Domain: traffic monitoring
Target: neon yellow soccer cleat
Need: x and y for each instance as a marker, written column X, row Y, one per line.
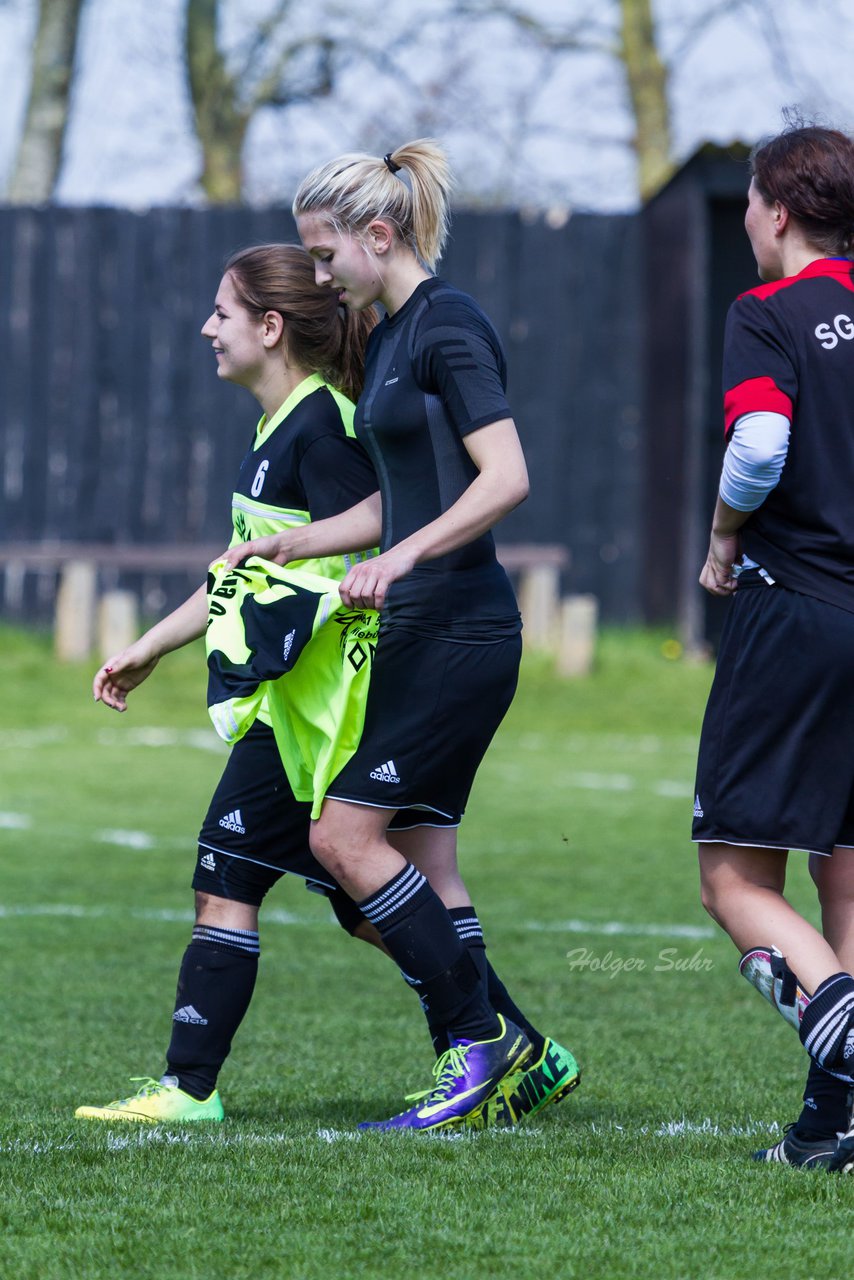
column 157, row 1102
column 523, row 1094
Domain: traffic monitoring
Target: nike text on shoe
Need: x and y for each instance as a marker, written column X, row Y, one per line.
column 466, row 1075
column 806, row 1153
column 157, row 1102
column 521, row 1095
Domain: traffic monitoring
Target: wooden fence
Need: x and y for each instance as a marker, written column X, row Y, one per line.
column 115, row 430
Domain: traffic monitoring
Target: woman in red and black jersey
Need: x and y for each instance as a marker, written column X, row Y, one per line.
column 776, row 763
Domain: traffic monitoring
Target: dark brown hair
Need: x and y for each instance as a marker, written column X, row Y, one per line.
column 322, row 335
column 810, row 170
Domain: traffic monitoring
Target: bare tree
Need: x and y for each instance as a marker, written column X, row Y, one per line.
column 270, row 69
column 647, row 79
column 40, row 151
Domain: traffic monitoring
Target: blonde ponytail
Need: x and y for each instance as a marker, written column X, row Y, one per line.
column 410, row 188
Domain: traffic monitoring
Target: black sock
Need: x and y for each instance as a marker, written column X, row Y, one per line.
column 215, row 986
column 415, row 926
column 827, row 1027
column 827, row 1105
column 469, row 928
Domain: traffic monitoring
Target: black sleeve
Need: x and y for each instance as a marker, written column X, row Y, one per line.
column 759, row 376
column 457, row 355
column 335, row 473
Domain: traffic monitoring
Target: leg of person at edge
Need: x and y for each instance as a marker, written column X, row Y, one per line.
column 776, row 761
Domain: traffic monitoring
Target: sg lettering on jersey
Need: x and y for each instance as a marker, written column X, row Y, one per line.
column 260, row 476
column 829, row 335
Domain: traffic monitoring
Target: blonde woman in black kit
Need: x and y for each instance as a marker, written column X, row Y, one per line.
column 435, row 421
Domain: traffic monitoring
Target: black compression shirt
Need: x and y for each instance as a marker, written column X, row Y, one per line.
column 435, row 371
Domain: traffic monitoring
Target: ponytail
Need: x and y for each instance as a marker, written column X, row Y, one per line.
column 410, row 187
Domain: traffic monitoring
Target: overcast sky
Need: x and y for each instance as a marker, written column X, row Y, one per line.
column 131, row 142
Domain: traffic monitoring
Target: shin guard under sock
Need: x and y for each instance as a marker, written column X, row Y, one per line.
column 215, row 986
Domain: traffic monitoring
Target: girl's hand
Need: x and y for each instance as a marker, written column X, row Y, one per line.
column 273, row 547
column 366, row 585
column 126, row 671
column 717, row 575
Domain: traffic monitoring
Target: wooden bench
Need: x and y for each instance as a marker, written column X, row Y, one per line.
column 551, row 625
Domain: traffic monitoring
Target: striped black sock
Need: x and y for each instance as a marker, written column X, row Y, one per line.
column 470, row 931
column 827, row 1027
column 215, row 986
column 415, row 926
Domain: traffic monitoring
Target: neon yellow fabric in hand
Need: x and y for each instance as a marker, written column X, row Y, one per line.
column 283, row 634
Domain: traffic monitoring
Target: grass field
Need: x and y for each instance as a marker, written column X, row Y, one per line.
column 576, row 850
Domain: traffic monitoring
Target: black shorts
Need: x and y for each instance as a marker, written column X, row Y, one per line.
column 776, row 761
column 255, row 831
column 433, row 708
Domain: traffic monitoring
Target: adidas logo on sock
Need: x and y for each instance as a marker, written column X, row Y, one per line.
column 698, row 808
column 848, row 1051
column 208, row 861
column 385, row 772
column 189, row 1014
column 233, row 822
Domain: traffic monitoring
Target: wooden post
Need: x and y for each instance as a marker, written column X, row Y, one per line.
column 118, row 622
column 579, row 617
column 539, row 592
column 75, row 611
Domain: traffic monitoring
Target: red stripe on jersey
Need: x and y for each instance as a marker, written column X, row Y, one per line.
column 838, row 268
column 755, row 395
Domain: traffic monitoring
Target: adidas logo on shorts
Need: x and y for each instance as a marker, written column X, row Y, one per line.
column 233, row 822
column 208, row 861
column 385, row 772
column 698, row 808
column 288, row 645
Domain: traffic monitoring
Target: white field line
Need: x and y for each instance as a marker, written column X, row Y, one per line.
column 136, row 1138
column 275, row 915
column 152, row 736
column 163, row 915
column 15, row 821
column 610, row 928
column 126, row 839
column 143, row 736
